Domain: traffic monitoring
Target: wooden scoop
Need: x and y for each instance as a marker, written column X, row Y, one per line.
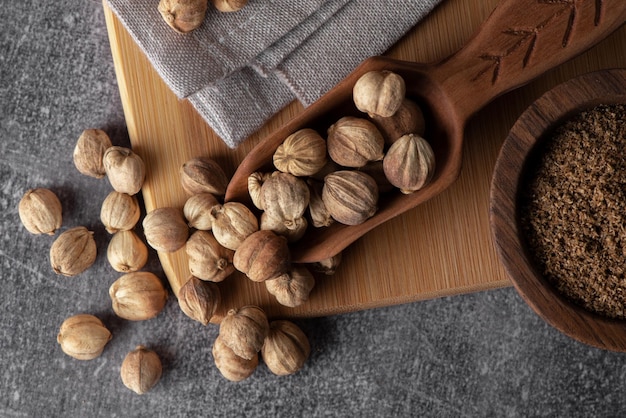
column 519, row 41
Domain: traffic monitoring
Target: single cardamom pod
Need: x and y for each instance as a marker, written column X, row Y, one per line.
column 232, row 223
column 263, row 255
column 284, row 196
column 89, row 152
column 138, row 296
column 230, row 365
column 127, row 252
column 208, row 260
column 40, row 211
column 351, row 197
column 165, row 229
column 302, row 153
column 292, row 288
column 141, row 370
column 73, row 252
column 119, row 212
column 197, row 210
column 379, row 93
column 199, row 299
column 286, row 348
column 83, row 336
column 125, row 170
column 243, row 330
column 203, row 175
column 353, row 142
column 183, row 15
column 410, row 163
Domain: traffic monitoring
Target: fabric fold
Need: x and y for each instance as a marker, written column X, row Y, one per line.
column 239, row 69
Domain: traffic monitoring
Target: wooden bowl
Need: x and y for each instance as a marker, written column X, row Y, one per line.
column 534, row 126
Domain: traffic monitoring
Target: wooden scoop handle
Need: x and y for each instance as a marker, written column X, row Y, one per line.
column 519, row 41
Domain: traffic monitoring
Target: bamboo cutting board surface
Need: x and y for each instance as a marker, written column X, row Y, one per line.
column 441, row 248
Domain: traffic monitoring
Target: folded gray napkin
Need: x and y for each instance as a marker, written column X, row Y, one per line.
column 239, row 69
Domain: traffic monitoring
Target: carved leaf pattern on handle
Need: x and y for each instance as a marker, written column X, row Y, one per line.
column 528, row 36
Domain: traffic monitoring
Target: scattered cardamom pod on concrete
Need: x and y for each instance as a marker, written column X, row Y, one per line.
column 243, row 330
column 89, row 152
column 286, row 348
column 125, row 169
column 141, row 370
column 230, row 365
column 83, row 336
column 127, row 252
column 40, row 211
column 119, row 212
column 138, row 296
column 73, row 252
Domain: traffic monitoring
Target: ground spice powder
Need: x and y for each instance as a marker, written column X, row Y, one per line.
column 573, row 210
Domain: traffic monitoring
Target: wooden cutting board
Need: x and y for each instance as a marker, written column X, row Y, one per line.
column 441, row 248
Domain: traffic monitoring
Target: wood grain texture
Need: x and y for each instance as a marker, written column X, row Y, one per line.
column 440, row 248
column 544, row 115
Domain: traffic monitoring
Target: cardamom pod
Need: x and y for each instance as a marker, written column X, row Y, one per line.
column 243, row 330
column 89, row 152
column 286, row 348
column 127, row 252
column 165, row 229
column 207, row 259
column 83, row 336
column 73, row 252
column 203, row 175
column 262, row 256
column 40, row 211
column 379, row 92
column 230, row 365
column 141, row 370
column 284, row 196
column 197, row 210
column 125, row 169
column 138, row 296
column 183, row 15
column 199, row 299
column 353, row 142
column 351, row 197
column 302, row 153
column 119, row 212
column 232, row 223
column 410, row 163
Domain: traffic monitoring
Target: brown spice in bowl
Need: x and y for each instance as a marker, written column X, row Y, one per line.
column 573, row 210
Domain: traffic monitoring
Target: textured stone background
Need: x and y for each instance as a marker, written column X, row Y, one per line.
column 484, row 354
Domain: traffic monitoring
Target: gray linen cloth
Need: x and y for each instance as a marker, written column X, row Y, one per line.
column 239, row 69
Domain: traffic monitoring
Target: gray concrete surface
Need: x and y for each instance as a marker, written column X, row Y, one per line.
column 479, row 355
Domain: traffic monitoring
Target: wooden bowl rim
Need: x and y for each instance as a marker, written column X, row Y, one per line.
column 551, row 109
